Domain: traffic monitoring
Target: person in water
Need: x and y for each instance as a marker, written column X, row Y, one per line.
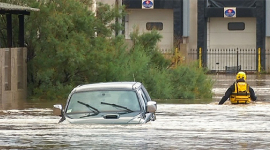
column 239, row 92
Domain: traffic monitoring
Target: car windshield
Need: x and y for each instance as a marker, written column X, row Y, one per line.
column 95, row 101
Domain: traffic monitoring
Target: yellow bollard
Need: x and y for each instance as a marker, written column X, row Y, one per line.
column 175, row 56
column 259, row 60
column 200, row 57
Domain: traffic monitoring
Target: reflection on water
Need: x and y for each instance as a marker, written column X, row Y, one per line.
column 180, row 124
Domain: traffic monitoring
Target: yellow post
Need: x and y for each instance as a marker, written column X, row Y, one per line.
column 175, row 56
column 259, row 60
column 200, row 57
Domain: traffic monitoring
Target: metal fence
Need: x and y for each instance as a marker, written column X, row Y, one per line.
column 230, row 60
column 267, row 61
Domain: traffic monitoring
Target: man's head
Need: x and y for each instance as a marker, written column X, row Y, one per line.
column 241, row 75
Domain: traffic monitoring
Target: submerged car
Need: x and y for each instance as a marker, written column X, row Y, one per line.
column 108, row 103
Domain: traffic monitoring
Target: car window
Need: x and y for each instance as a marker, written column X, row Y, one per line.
column 94, row 98
column 147, row 96
column 143, row 98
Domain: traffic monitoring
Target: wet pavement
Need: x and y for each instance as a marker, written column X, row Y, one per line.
column 194, row 125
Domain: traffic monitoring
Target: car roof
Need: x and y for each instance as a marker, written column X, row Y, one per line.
column 108, row 86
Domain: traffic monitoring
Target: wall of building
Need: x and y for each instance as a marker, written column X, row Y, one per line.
column 110, row 2
column 217, row 35
column 13, row 79
column 139, row 19
column 192, row 39
column 267, row 38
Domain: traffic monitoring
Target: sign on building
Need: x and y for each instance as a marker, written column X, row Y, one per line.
column 229, row 12
column 147, row 4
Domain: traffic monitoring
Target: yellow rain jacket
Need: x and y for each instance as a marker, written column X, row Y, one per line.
column 241, row 93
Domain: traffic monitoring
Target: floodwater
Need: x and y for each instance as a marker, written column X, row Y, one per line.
column 200, row 125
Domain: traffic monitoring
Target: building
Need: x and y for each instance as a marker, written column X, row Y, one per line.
column 13, row 77
column 221, row 33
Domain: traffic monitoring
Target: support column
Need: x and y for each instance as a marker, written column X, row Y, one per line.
column 202, row 31
column 260, row 31
column 9, row 30
column 21, row 30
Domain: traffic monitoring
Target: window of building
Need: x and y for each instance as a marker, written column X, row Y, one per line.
column 154, row 25
column 236, row 26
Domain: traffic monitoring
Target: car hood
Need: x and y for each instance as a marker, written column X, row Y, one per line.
column 105, row 118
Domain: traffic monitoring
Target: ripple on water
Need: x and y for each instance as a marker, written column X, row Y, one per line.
column 184, row 126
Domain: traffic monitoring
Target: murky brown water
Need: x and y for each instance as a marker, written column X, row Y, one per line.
column 204, row 125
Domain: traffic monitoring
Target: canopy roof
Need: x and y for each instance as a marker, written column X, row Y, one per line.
column 15, row 9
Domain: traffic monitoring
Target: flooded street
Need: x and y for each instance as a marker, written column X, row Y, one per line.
column 202, row 125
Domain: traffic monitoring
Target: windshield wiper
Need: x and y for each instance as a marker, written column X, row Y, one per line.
column 93, row 109
column 119, row 106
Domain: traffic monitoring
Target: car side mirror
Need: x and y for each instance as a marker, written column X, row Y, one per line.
column 151, row 106
column 57, row 111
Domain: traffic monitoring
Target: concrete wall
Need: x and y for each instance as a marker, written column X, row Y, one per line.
column 267, row 9
column 110, row 2
column 190, row 42
column 192, row 39
column 139, row 19
column 13, row 77
column 267, row 38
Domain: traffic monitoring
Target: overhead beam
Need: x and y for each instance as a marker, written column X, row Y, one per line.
column 17, row 12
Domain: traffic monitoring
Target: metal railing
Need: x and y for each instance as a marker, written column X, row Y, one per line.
column 230, row 60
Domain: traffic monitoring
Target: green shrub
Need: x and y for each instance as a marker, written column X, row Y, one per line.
column 191, row 82
column 69, row 45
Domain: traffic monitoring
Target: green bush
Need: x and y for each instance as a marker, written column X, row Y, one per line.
column 191, row 82
column 68, row 45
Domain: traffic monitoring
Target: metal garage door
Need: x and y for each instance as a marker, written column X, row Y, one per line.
column 231, row 42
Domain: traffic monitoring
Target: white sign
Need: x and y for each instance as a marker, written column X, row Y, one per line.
column 229, row 12
column 147, row 4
